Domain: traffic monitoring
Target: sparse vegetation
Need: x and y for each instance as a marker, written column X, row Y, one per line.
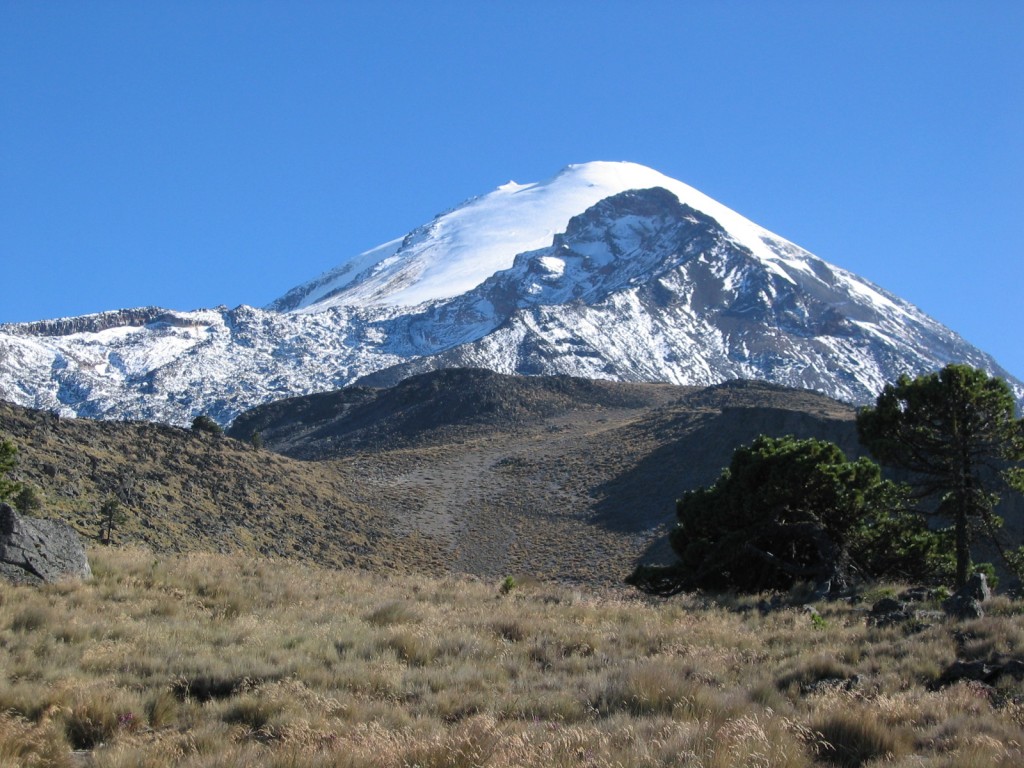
column 577, row 492
column 28, row 501
column 198, row 660
column 201, row 660
column 8, row 460
column 188, row 494
column 112, row 516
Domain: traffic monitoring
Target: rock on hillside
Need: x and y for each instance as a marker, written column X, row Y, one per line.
column 37, row 551
column 184, row 491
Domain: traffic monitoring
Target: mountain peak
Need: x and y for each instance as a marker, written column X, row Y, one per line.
column 461, row 248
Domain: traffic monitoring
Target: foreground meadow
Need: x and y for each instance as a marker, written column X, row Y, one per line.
column 217, row 660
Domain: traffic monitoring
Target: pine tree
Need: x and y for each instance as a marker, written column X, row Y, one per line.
column 112, row 515
column 787, row 510
column 956, row 432
column 204, row 423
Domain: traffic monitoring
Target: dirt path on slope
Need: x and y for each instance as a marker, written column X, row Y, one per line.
column 510, row 504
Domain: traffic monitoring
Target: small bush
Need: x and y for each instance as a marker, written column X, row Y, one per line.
column 32, row 745
column 92, row 721
column 509, row 631
column 162, row 709
column 854, row 738
column 815, row 670
column 32, row 618
column 413, row 648
column 27, row 699
column 253, row 710
column 392, row 613
column 658, row 688
column 204, row 688
column 473, row 743
column 28, row 501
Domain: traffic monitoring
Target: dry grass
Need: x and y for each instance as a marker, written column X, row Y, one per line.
column 223, row 660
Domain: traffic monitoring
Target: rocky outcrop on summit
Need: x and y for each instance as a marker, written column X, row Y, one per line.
column 65, row 326
column 34, row 551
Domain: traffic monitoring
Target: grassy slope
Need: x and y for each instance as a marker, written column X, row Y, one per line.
column 192, row 492
column 178, row 655
column 205, row 660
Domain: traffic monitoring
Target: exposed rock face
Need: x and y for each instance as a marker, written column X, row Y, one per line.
column 39, row 551
column 977, row 588
column 65, row 326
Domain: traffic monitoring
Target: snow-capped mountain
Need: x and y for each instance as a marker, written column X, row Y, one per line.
column 607, row 270
column 460, row 249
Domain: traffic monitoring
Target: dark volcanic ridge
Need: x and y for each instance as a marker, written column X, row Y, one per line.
column 433, row 409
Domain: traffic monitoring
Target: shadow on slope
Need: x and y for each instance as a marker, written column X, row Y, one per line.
column 695, row 441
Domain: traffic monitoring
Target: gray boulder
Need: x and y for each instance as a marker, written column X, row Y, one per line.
column 976, row 588
column 35, row 551
column 889, row 611
column 966, row 602
column 963, row 607
column 981, row 671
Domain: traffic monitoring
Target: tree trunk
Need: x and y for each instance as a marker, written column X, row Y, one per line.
column 963, row 544
column 964, row 496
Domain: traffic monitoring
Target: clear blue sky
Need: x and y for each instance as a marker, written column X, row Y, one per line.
column 190, row 154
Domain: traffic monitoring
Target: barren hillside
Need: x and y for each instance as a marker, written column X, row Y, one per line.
column 454, row 471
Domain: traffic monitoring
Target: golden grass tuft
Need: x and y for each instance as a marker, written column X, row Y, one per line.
column 808, row 673
column 395, row 612
column 32, row 745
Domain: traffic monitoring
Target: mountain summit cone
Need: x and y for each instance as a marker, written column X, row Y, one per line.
column 461, row 248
